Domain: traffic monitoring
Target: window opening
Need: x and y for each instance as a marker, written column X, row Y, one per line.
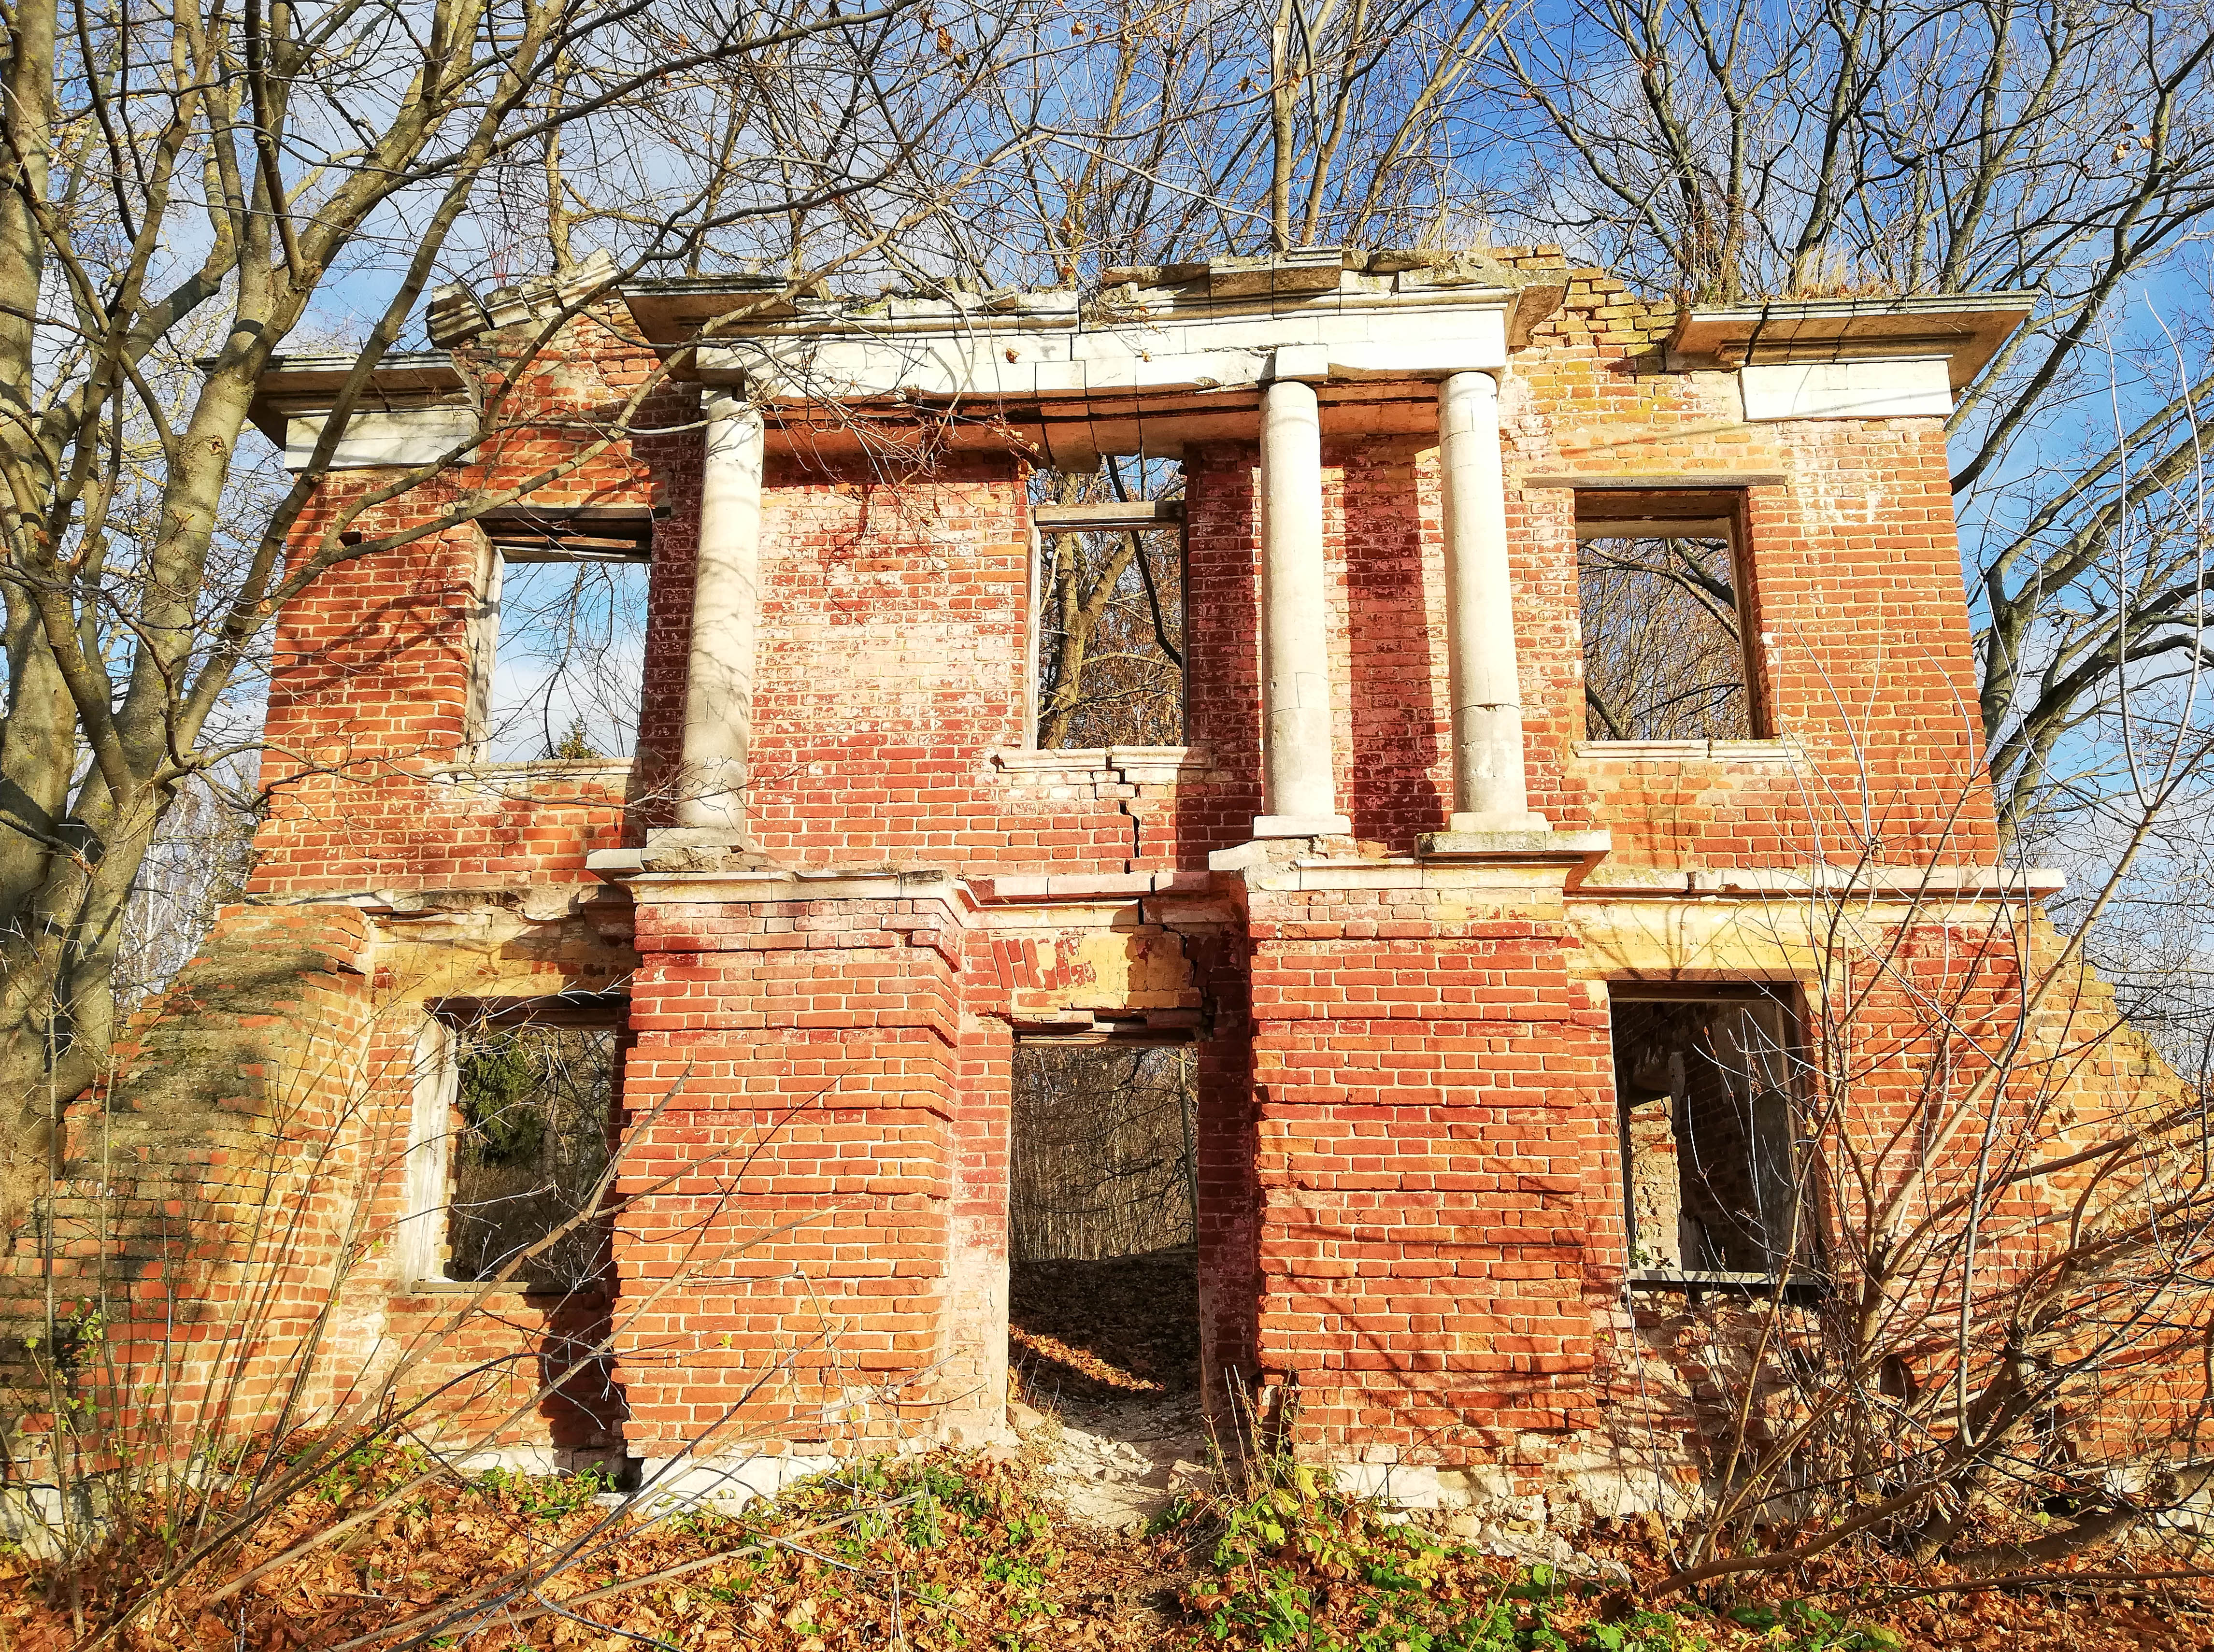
column 530, row 1131
column 1661, row 590
column 1102, row 1208
column 561, row 653
column 1111, row 607
column 1704, row 1089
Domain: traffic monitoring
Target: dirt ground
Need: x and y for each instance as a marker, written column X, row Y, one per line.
column 1103, row 1362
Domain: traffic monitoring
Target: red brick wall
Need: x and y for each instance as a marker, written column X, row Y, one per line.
column 1855, row 607
column 894, row 636
column 892, row 664
column 506, row 1372
column 474, row 1370
column 1410, row 1207
column 1225, row 1147
column 1222, row 594
column 1386, row 574
column 206, row 1198
column 1959, row 1050
column 782, row 1250
column 972, row 1375
column 1440, row 1207
column 370, row 677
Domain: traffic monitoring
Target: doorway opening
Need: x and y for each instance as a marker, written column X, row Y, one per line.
column 1102, row 1320
column 1102, row 1205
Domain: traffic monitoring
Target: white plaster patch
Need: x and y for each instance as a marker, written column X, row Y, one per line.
column 537, row 1461
column 730, row 1482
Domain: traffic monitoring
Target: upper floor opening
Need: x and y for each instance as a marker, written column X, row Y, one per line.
column 557, row 642
column 1664, row 582
column 1108, row 605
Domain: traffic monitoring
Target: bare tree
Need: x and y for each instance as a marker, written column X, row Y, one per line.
column 1102, row 1160
column 1732, row 151
column 1988, row 1217
column 1663, row 659
column 184, row 191
column 1110, row 637
column 1992, row 1299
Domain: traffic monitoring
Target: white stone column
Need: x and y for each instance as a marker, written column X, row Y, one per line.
column 718, row 686
column 1489, row 791
column 1299, row 790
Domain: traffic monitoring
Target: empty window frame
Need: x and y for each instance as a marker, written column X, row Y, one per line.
column 561, row 646
column 514, row 1111
column 1109, row 617
column 1661, row 581
column 1704, row 1086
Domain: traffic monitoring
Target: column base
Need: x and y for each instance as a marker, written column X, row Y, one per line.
column 1301, row 826
column 698, row 848
column 697, row 837
column 1499, row 819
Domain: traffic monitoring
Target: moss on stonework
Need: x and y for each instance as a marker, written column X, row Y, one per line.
column 176, row 1161
column 216, row 1040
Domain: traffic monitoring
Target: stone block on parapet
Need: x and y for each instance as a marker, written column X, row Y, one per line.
column 702, row 837
column 1300, row 270
column 1260, row 855
column 1546, row 845
column 1010, row 886
column 1498, row 820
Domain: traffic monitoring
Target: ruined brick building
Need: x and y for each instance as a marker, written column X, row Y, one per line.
column 1494, row 998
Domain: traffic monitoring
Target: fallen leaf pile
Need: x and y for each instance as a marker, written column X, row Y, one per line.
column 1294, row 1564
column 928, row 1553
column 967, row 1552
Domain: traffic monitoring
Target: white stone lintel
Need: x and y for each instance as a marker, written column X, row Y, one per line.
column 1886, row 388
column 394, row 438
column 1148, row 353
column 1785, row 753
column 1150, row 765
column 1887, row 886
column 1521, row 822
column 1514, row 844
column 746, row 887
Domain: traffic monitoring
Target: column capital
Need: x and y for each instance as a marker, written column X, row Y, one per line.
column 1299, row 363
column 719, row 402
